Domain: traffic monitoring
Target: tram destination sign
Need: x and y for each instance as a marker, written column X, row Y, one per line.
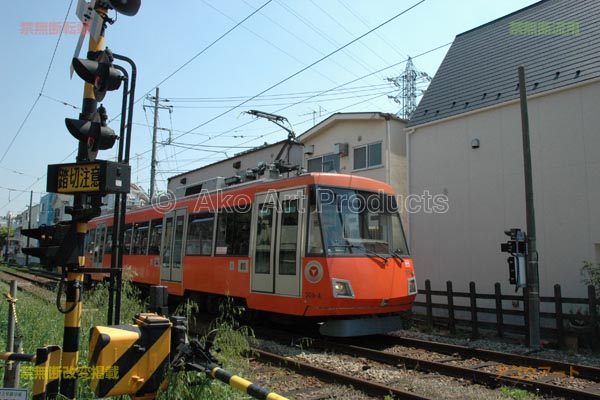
column 98, row 176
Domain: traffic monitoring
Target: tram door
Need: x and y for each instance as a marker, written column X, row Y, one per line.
column 99, row 245
column 174, row 228
column 276, row 245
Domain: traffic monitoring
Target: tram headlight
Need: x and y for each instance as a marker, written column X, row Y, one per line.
column 342, row 288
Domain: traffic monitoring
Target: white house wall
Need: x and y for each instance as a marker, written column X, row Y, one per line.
column 360, row 132
column 485, row 189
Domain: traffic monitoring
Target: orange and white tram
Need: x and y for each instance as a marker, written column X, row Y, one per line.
column 326, row 247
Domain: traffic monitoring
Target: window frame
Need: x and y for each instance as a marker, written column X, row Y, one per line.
column 367, row 148
column 203, row 218
column 236, row 226
column 322, row 157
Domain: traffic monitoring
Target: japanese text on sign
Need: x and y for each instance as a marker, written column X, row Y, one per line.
column 79, row 178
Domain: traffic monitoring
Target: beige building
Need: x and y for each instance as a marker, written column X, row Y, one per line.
column 369, row 144
column 464, row 141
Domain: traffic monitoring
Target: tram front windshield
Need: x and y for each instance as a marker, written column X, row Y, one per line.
column 357, row 222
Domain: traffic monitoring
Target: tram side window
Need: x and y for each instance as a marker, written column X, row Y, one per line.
column 233, row 233
column 108, row 246
column 315, row 238
column 155, row 237
column 139, row 244
column 200, row 234
column 89, row 240
column 127, row 239
column 289, row 237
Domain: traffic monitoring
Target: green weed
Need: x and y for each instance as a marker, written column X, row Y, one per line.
column 517, row 394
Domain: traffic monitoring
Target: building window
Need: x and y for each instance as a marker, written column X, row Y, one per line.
column 367, row 156
column 326, row 163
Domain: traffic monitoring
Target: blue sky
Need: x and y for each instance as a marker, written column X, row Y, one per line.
column 283, row 38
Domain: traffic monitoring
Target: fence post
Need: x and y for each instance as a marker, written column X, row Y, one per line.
column 474, row 324
column 593, row 316
column 499, row 315
column 558, row 311
column 10, row 373
column 450, row 302
column 429, row 303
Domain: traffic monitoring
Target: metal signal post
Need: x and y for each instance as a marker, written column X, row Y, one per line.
column 75, row 276
column 88, row 179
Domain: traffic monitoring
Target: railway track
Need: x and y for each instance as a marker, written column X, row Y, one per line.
column 43, row 279
column 358, row 386
column 489, row 368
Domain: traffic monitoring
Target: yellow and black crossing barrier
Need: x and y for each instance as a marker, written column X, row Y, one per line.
column 137, row 354
column 47, row 372
column 10, row 356
column 242, row 384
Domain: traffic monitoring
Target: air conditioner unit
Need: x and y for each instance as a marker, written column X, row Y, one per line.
column 341, row 149
column 309, row 149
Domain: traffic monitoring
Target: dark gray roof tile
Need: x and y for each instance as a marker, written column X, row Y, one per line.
column 480, row 68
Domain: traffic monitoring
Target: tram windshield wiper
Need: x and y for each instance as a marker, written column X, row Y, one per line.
column 368, row 251
column 398, row 254
column 364, row 249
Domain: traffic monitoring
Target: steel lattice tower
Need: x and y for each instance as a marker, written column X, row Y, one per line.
column 407, row 82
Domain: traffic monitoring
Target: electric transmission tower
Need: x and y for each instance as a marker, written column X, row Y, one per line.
column 411, row 84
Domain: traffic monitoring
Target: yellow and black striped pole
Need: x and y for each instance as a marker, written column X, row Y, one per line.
column 242, row 384
column 75, row 276
column 47, row 372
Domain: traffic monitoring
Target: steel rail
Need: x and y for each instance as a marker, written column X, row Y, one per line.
column 335, row 377
column 584, row 371
column 473, row 374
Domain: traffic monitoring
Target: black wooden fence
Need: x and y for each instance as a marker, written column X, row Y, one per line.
column 480, row 310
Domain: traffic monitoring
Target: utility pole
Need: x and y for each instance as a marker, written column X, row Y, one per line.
column 8, row 217
column 29, row 225
column 154, row 131
column 532, row 275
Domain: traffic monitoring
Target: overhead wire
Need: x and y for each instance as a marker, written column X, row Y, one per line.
column 280, row 96
column 185, row 64
column 302, row 69
column 334, row 88
column 292, row 76
column 307, row 22
column 357, row 15
column 370, row 93
column 338, row 23
column 41, row 89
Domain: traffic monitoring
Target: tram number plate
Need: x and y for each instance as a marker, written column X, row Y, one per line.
column 312, row 295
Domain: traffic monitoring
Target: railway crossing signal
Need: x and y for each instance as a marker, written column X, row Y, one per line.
column 517, row 248
column 50, row 239
column 95, row 133
column 99, row 72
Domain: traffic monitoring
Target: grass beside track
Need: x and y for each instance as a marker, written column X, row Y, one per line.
column 40, row 323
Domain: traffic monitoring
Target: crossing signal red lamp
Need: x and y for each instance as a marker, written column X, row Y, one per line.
column 99, row 72
column 95, row 133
